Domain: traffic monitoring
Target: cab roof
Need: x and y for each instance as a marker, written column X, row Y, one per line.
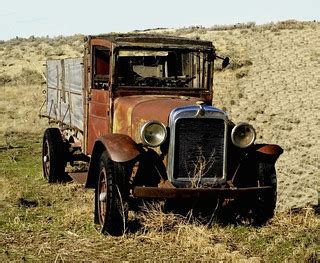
column 153, row 40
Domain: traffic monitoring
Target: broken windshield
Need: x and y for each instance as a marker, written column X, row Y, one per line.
column 164, row 68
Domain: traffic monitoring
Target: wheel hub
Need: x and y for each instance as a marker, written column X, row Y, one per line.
column 103, row 197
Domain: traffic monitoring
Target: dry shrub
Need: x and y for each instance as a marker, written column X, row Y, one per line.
column 242, row 73
column 153, row 218
column 191, row 29
column 283, row 25
column 290, row 24
column 21, row 106
column 25, row 77
column 186, row 235
column 28, row 77
column 234, row 26
column 5, row 79
column 240, row 63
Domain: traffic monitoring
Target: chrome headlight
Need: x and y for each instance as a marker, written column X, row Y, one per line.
column 153, row 133
column 243, row 135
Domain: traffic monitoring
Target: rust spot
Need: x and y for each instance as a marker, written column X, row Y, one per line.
column 271, row 149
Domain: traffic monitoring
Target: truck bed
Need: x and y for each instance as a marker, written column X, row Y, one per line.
column 65, row 92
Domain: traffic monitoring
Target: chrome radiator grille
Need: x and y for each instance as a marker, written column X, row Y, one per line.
column 199, row 148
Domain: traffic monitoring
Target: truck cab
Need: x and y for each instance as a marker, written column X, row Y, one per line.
column 138, row 108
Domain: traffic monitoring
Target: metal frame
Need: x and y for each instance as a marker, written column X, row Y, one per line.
column 198, row 193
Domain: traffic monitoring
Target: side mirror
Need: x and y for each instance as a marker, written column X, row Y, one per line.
column 225, row 62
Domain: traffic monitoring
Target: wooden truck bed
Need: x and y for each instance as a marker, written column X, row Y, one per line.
column 65, row 92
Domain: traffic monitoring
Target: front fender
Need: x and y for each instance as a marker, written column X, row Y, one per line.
column 245, row 174
column 269, row 152
column 120, row 148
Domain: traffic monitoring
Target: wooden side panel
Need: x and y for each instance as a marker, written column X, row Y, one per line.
column 65, row 89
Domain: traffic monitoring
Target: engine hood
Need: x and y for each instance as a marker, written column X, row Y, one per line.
column 132, row 112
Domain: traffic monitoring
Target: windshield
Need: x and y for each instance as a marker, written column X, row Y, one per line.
column 164, row 68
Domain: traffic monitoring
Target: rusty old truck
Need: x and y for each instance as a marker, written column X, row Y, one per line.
column 137, row 108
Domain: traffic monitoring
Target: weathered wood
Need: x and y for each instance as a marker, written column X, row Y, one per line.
column 65, row 87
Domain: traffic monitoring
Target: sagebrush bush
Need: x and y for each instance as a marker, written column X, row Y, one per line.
column 25, row 77
column 5, row 79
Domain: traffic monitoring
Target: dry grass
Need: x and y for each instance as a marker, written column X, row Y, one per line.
column 22, row 61
column 280, row 237
column 19, row 110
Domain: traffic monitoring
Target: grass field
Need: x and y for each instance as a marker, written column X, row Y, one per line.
column 273, row 82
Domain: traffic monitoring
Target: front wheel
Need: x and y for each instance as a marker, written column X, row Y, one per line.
column 256, row 210
column 111, row 196
column 265, row 204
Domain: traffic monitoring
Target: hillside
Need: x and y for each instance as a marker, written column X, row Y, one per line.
column 273, row 82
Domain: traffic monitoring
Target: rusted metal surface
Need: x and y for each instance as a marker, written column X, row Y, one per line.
column 79, row 177
column 98, row 121
column 197, row 193
column 131, row 113
column 154, row 41
column 120, row 147
column 203, row 95
column 106, row 42
column 271, row 149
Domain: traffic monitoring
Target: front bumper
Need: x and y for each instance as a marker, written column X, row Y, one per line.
column 198, row 193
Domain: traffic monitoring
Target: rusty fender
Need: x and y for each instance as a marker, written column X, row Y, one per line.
column 269, row 152
column 120, row 148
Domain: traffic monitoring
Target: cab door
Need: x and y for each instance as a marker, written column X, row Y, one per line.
column 99, row 95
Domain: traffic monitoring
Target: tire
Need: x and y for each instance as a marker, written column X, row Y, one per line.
column 111, row 196
column 265, row 204
column 53, row 162
column 255, row 210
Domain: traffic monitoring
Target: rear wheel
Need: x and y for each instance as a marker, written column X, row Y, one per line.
column 111, row 196
column 53, row 162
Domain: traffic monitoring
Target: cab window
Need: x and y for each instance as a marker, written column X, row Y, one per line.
column 101, row 67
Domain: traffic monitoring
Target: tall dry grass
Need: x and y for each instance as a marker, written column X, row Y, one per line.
column 19, row 110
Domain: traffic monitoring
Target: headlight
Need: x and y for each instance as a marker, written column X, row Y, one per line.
column 243, row 135
column 153, row 133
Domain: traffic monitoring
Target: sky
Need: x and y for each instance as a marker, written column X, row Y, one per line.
column 25, row 18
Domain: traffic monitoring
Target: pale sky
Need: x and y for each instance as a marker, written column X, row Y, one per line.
column 24, row 18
